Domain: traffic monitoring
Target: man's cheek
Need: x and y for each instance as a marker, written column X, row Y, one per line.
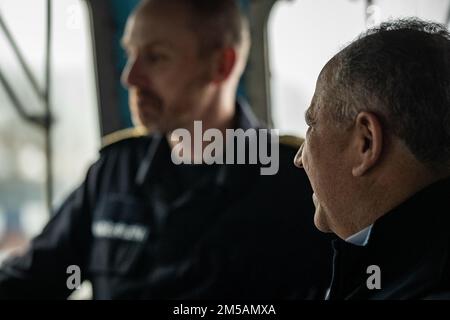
column 305, row 163
column 315, row 201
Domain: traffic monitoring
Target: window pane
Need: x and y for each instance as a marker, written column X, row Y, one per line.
column 305, row 34
column 75, row 133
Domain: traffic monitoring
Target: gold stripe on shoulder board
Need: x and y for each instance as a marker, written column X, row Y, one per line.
column 292, row 141
column 123, row 134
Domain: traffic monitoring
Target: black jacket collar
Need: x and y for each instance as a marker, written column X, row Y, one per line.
column 410, row 244
column 158, row 154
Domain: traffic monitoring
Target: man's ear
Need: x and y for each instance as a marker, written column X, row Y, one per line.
column 368, row 141
column 226, row 60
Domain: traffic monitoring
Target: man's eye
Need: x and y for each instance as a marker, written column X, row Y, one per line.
column 154, row 58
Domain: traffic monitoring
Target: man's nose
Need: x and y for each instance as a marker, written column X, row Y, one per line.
column 131, row 75
column 125, row 77
column 298, row 157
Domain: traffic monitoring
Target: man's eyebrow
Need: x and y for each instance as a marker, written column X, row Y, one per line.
column 309, row 115
column 158, row 43
column 125, row 43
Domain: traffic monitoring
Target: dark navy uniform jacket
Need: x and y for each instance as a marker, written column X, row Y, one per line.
column 141, row 227
column 411, row 247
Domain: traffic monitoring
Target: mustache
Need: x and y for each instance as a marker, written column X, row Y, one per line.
column 147, row 96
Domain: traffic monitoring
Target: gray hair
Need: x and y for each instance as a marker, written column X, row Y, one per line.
column 401, row 72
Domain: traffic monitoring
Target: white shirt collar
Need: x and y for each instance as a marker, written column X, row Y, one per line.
column 361, row 237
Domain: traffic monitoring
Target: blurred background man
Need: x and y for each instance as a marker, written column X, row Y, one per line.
column 140, row 226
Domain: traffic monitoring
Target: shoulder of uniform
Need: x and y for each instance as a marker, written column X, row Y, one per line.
column 123, row 135
column 291, row 141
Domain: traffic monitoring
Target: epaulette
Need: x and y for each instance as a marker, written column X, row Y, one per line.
column 123, row 134
column 291, row 141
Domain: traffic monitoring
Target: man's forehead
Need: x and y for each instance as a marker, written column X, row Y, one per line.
column 315, row 103
column 171, row 11
column 326, row 82
column 323, row 83
column 327, row 73
column 142, row 36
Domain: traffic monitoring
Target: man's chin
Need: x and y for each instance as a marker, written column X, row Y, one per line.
column 138, row 122
column 320, row 220
column 149, row 123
